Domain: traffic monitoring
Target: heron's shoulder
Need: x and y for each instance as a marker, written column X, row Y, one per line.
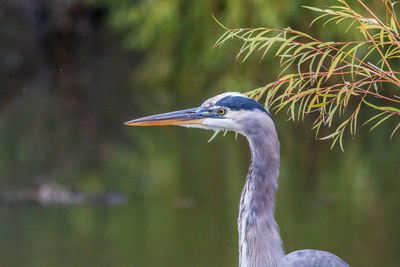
column 312, row 257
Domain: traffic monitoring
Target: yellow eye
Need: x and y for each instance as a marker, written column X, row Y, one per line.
column 221, row 111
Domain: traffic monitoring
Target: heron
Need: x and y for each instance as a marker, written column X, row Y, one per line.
column 260, row 243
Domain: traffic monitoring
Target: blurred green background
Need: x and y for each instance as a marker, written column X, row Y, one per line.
column 73, row 71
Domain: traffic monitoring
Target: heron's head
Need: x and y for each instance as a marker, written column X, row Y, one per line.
column 229, row 111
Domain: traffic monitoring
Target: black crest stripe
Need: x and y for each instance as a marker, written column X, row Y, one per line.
column 240, row 103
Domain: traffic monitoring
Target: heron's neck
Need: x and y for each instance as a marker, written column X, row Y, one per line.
column 259, row 241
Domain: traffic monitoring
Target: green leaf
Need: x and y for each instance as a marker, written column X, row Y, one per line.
column 309, row 45
column 313, row 8
column 321, row 61
column 326, row 95
column 334, row 63
column 332, row 135
column 288, row 41
column 318, row 18
column 318, row 105
column 213, row 136
column 395, row 129
column 394, row 27
column 393, row 109
column 382, row 120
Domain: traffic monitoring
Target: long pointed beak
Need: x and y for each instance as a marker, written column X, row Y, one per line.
column 181, row 117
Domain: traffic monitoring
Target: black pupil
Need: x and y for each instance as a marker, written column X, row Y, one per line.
column 221, row 111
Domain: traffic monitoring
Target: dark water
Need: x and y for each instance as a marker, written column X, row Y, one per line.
column 348, row 205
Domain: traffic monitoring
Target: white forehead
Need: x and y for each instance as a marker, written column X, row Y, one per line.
column 211, row 102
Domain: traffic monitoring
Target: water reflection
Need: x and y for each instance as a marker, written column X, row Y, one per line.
column 156, row 231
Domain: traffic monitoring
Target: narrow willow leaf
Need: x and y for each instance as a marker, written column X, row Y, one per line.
column 220, row 24
column 370, row 50
column 334, row 63
column 271, row 94
column 352, row 63
column 352, row 51
column 292, row 109
column 355, row 124
column 374, row 117
column 394, row 27
column 348, row 95
column 246, row 33
column 334, row 141
column 288, row 41
column 277, row 103
column 320, row 80
column 382, row 37
column 372, row 27
column 300, row 111
column 340, row 93
column 246, row 40
column 292, row 85
column 219, row 41
column 312, row 103
column 307, row 99
column 268, row 44
column 393, row 109
column 317, row 126
column 349, row 27
column 329, row 20
column 311, row 65
column 246, row 44
column 290, row 63
column 252, row 47
column 325, row 44
column 326, row 95
column 321, row 61
column 341, row 141
column 301, row 60
column 318, row 105
column 256, row 41
column 313, row 8
column 288, row 52
column 318, row 18
column 332, row 135
column 362, row 31
column 305, row 46
column 392, row 52
column 340, row 20
column 382, row 120
column 343, row 125
column 213, row 136
column 331, row 116
column 281, row 106
column 266, row 41
column 288, row 76
column 344, row 8
column 300, row 33
column 395, row 129
column 375, row 87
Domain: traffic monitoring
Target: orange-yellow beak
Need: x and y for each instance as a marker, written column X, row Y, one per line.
column 182, row 117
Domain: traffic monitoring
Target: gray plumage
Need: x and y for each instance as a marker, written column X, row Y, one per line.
column 260, row 244
column 312, row 257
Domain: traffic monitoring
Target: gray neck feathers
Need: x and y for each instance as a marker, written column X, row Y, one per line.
column 259, row 241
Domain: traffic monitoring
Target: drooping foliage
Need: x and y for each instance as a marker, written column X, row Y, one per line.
column 333, row 81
